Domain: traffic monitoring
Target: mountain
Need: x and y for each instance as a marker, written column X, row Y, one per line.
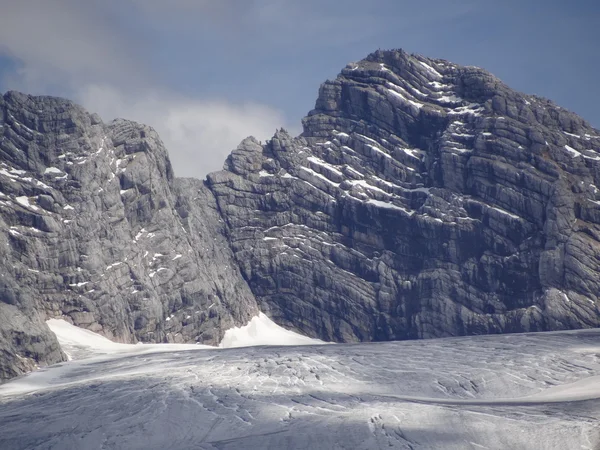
column 95, row 227
column 423, row 199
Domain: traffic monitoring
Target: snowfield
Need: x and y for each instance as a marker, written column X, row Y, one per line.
column 520, row 391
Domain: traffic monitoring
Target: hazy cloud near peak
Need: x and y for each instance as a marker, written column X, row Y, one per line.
column 199, row 134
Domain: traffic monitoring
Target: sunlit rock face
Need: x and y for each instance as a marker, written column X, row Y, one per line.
column 423, row 199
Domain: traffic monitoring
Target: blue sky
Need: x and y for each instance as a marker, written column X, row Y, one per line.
column 207, row 73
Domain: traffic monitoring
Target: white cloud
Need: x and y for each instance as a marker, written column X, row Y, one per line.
column 198, row 134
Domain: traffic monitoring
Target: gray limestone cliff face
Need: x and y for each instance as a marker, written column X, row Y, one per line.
column 423, row 199
column 94, row 228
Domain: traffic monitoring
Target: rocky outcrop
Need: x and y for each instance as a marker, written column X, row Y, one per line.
column 96, row 229
column 423, row 199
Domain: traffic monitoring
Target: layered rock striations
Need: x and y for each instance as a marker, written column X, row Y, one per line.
column 423, row 199
column 95, row 227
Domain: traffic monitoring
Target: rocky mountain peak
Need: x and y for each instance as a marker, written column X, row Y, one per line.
column 422, row 199
column 98, row 231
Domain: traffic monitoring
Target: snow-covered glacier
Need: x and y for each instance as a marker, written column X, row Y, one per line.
column 518, row 391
